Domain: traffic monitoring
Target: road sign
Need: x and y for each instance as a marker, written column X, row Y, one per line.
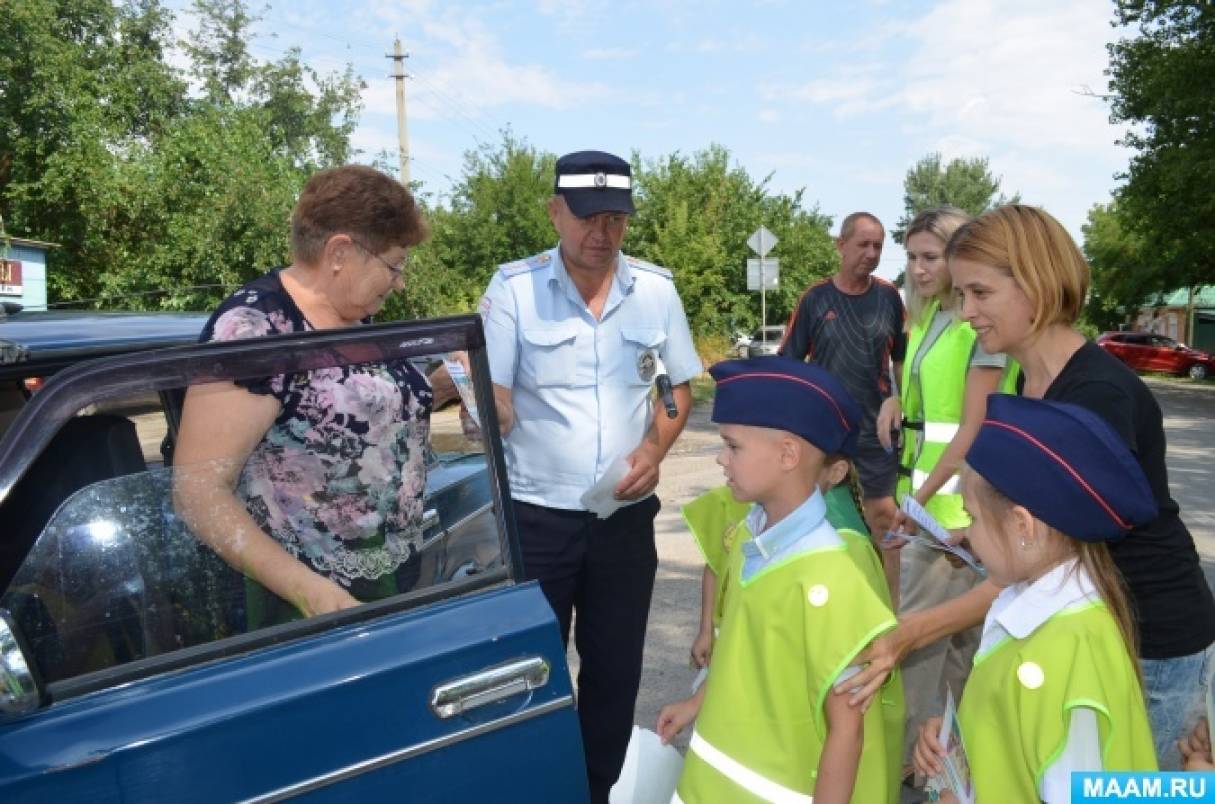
column 761, row 241
column 770, row 271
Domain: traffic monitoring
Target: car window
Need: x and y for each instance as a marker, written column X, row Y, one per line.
column 1162, row 342
column 116, row 576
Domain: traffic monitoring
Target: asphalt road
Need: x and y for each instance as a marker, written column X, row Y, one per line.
column 1189, row 411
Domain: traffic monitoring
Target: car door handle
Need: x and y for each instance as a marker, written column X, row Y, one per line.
column 489, row 685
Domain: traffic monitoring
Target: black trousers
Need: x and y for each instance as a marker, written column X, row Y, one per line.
column 604, row 570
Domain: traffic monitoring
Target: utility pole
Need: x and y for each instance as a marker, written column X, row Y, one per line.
column 398, row 57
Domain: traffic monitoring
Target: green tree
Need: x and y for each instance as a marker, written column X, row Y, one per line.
column 496, row 214
column 83, row 86
column 963, row 183
column 1156, row 85
column 149, row 190
column 1120, row 266
column 694, row 215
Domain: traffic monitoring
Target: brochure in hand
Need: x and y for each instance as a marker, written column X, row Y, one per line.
column 957, row 769
column 940, row 536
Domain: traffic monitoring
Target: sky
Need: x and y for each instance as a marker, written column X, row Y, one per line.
column 838, row 99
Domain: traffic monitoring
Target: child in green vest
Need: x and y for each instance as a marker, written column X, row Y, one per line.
column 713, row 520
column 796, row 608
column 1055, row 687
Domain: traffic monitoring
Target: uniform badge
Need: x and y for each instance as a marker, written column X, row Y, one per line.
column 647, row 365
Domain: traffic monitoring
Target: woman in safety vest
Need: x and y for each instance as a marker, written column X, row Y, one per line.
column 943, row 392
column 1022, row 283
column 1055, row 687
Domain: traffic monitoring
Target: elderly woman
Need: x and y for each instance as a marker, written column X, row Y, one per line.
column 311, row 484
column 1022, row 283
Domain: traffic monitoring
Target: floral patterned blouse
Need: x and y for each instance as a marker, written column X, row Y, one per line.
column 339, row 478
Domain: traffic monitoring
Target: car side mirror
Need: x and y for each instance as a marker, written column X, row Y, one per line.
column 19, row 688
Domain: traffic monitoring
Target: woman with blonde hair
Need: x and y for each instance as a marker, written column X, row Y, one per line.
column 1022, row 283
column 942, row 397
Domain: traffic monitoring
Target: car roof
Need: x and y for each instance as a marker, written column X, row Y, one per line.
column 48, row 340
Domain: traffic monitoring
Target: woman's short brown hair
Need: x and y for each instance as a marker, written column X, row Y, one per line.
column 357, row 200
column 1036, row 251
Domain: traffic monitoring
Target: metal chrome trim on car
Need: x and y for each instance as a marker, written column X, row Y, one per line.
column 487, row 686
column 359, row 768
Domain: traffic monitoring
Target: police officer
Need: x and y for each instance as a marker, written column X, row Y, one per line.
column 577, row 336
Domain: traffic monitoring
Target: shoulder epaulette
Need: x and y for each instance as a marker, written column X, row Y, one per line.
column 648, row 266
column 523, row 266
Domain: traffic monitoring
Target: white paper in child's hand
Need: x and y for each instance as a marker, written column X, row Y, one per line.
column 925, row 520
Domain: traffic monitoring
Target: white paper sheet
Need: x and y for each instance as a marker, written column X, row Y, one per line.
column 650, row 773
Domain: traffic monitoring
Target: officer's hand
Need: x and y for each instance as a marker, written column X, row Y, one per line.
column 643, row 473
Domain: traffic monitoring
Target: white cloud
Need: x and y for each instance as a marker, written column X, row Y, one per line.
column 988, row 73
column 1000, row 71
column 769, row 116
column 609, row 54
column 461, row 71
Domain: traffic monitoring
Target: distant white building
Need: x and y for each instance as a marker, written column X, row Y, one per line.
column 23, row 272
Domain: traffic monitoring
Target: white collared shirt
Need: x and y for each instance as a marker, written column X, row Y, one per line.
column 805, row 528
column 1016, row 613
column 580, row 386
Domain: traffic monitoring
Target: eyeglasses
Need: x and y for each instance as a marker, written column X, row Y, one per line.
column 394, row 270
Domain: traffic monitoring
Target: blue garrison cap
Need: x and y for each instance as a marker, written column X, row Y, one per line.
column 787, row 395
column 1064, row 464
column 593, row 182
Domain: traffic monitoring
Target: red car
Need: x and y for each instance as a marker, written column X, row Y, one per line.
column 1145, row 351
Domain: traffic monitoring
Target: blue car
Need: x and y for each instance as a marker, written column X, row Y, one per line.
column 127, row 669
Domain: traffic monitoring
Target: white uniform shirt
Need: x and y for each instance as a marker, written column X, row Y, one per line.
column 1017, row 612
column 580, row 387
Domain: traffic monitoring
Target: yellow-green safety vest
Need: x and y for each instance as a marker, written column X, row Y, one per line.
column 714, row 518
column 787, row 633
column 1017, row 705
column 932, row 410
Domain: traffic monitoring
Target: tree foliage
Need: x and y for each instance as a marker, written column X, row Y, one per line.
column 151, row 189
column 963, row 183
column 1117, row 257
column 694, row 215
column 167, row 186
column 1160, row 80
column 496, row 214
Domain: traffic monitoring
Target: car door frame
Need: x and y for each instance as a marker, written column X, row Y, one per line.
column 159, row 370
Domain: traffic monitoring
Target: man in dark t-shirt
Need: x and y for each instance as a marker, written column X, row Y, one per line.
column 852, row 325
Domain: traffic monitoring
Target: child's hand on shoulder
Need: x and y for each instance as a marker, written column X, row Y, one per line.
column 675, row 717
column 928, row 753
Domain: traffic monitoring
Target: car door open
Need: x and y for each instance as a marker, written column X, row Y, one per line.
column 133, row 667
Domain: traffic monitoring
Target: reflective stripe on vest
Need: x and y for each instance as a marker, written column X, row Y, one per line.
column 951, row 486
column 743, row 776
column 941, row 432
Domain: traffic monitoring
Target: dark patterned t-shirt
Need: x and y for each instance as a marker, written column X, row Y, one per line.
column 339, row 478
column 855, row 337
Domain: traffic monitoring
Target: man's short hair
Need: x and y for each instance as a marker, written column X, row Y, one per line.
column 849, row 223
